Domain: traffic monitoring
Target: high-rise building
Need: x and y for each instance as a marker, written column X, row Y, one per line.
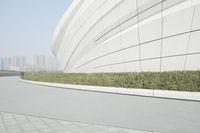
column 22, row 63
column 1, row 64
column 52, row 64
column 17, row 63
column 39, row 63
column 6, row 63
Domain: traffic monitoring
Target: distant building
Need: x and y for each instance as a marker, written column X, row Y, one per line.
column 1, row 64
column 6, row 63
column 52, row 64
column 39, row 63
column 17, row 63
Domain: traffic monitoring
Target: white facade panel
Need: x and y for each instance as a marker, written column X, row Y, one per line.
column 132, row 67
column 150, row 65
column 126, row 8
column 151, row 50
column 132, row 54
column 196, row 21
column 142, row 2
column 175, row 45
column 110, row 46
column 129, row 36
column 178, row 22
column 110, row 18
column 112, row 58
column 151, row 31
column 193, row 62
column 194, row 45
column 173, row 63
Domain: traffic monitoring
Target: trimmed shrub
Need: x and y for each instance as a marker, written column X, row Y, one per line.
column 174, row 80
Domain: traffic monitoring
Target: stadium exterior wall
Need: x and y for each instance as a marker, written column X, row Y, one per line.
column 129, row 36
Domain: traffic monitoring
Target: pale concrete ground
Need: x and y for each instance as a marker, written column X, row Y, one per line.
column 17, row 123
column 112, row 110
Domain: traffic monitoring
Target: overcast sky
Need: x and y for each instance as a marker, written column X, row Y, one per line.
column 27, row 26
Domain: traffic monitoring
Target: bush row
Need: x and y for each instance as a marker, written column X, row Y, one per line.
column 175, row 80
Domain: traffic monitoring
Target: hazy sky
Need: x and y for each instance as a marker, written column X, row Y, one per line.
column 27, row 26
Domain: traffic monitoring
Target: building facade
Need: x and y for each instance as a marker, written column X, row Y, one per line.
column 129, row 36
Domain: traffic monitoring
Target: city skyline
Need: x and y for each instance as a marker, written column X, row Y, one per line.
column 33, row 64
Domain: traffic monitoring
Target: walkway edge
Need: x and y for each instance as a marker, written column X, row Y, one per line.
column 179, row 95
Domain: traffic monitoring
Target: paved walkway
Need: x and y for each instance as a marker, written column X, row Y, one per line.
column 114, row 110
column 17, row 123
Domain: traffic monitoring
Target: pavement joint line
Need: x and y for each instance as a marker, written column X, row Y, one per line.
column 113, row 91
column 32, row 124
column 63, row 126
column 18, row 123
column 5, row 126
column 48, row 125
column 89, row 124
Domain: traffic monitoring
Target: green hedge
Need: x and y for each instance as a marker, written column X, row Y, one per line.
column 175, row 80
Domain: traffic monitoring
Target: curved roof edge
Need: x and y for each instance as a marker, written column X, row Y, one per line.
column 63, row 23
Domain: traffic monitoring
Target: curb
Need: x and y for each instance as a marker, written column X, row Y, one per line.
column 165, row 94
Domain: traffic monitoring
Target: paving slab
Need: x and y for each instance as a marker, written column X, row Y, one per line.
column 18, row 123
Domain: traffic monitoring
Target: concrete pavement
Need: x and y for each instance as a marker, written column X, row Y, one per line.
column 17, row 123
column 133, row 112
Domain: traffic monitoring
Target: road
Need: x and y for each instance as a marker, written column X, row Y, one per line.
column 8, row 73
column 135, row 112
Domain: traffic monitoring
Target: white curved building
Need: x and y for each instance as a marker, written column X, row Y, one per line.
column 129, row 36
